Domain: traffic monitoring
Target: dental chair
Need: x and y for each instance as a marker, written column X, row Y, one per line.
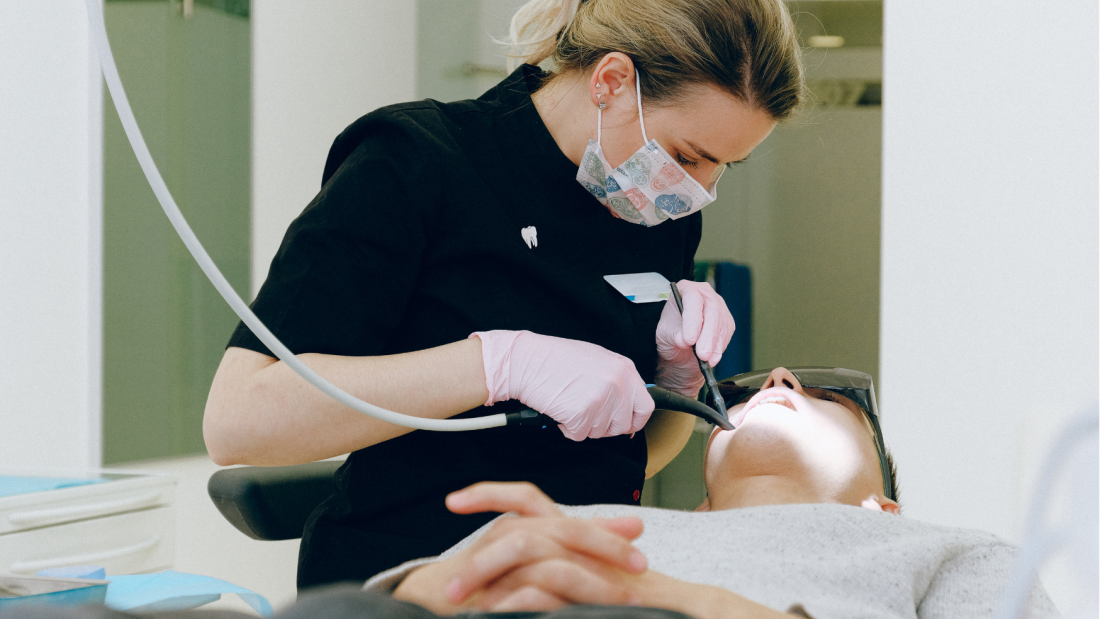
column 273, row 503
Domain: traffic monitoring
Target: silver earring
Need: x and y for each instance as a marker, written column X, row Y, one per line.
column 603, row 105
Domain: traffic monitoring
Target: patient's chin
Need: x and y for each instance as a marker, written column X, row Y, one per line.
column 757, row 448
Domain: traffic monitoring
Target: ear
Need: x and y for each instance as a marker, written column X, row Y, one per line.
column 880, row 504
column 705, row 506
column 615, row 75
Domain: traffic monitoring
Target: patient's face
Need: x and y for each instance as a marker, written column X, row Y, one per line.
column 809, row 438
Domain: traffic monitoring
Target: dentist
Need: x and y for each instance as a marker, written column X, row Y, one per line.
column 454, row 259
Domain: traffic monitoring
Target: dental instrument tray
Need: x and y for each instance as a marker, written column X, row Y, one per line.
column 122, row 520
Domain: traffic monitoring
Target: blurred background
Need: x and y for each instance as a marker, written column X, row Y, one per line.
column 931, row 219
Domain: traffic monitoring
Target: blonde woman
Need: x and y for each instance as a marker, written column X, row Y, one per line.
column 455, row 259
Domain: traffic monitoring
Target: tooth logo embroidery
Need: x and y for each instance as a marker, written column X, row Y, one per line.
column 530, row 235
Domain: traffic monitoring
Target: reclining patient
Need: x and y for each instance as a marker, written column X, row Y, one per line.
column 800, row 520
column 797, row 520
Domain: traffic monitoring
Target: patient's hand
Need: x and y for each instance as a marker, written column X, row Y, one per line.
column 541, row 559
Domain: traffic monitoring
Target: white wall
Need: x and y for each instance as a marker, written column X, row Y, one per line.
column 989, row 247
column 803, row 215
column 50, row 237
column 316, row 67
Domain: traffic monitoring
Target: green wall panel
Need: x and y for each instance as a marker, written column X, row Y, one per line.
column 165, row 327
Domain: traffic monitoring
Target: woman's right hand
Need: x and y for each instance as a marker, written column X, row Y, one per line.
column 589, row 390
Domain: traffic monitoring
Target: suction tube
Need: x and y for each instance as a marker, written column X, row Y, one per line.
column 129, row 123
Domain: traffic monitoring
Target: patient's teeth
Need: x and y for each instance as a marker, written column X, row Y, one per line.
column 777, row 400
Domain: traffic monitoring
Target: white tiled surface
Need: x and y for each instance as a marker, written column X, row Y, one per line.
column 207, row 544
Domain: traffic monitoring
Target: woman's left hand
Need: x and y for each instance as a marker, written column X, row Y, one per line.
column 706, row 325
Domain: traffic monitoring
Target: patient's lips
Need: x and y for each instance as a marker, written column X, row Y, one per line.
column 770, row 396
column 777, row 400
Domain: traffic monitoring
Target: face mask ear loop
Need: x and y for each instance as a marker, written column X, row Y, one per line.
column 638, row 85
column 599, row 124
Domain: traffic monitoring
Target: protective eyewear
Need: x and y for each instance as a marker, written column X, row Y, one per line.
column 851, row 384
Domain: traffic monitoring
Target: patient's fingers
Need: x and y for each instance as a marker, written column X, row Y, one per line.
column 521, row 497
column 561, row 579
column 516, row 542
column 527, row 599
column 627, row 527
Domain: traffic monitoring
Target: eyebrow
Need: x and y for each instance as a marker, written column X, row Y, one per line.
column 709, row 157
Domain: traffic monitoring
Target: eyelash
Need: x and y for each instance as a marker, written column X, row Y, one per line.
column 695, row 164
column 680, row 159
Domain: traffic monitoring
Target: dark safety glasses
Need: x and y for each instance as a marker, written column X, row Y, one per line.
column 851, row 384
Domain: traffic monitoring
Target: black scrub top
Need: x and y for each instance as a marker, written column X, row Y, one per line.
column 415, row 241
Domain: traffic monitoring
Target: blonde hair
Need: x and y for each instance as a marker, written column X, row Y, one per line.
column 748, row 48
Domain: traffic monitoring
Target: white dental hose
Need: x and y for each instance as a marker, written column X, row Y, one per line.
column 1074, row 451
column 129, row 123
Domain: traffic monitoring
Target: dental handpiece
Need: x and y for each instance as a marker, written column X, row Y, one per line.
column 663, row 399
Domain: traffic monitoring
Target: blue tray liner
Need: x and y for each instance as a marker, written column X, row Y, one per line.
column 11, row 486
column 170, row 590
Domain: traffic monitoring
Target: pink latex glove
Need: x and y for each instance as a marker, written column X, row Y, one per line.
column 589, row 390
column 706, row 325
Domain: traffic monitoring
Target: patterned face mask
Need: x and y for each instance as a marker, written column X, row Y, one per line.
column 647, row 189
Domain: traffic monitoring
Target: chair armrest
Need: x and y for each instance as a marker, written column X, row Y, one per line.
column 271, row 502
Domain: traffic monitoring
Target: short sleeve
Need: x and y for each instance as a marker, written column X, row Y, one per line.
column 347, row 265
column 972, row 585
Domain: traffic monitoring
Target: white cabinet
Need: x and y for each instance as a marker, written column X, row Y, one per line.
column 126, row 524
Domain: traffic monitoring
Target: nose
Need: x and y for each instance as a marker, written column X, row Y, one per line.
column 782, row 377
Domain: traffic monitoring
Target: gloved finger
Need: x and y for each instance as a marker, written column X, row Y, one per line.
column 523, row 498
column 670, row 328
column 643, row 408
column 693, row 311
column 605, row 424
column 716, row 317
column 572, row 432
column 630, row 413
column 623, row 397
column 717, row 329
column 726, row 335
